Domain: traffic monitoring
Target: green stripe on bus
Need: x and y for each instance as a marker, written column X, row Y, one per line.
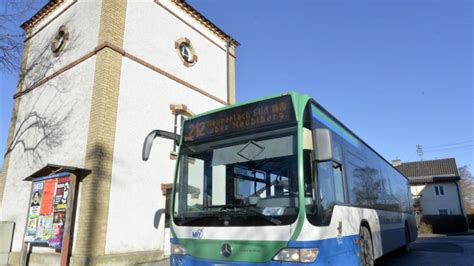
column 242, row 250
column 300, row 101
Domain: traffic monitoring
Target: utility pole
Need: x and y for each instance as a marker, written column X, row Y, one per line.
column 419, row 151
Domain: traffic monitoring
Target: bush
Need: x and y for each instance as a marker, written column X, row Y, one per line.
column 442, row 224
column 424, row 228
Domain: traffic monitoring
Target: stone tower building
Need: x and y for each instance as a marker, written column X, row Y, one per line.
column 97, row 77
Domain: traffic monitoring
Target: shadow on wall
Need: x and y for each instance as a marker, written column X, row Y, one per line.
column 41, row 121
column 91, row 229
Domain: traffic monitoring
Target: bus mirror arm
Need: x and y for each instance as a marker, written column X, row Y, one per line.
column 152, row 135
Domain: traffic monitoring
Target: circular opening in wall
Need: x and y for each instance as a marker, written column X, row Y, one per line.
column 59, row 41
column 186, row 52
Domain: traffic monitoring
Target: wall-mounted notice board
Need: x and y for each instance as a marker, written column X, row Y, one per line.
column 47, row 212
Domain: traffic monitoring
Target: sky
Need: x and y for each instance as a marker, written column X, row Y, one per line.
column 398, row 73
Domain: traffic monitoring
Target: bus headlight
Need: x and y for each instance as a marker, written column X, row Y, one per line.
column 297, row 254
column 308, row 254
column 177, row 249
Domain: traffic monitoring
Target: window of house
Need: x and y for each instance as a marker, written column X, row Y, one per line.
column 439, row 190
column 443, row 211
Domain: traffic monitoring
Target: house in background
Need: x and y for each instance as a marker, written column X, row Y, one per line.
column 436, row 194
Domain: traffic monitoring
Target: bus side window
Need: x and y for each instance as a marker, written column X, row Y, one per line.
column 331, row 189
column 330, row 183
column 338, row 182
column 338, row 171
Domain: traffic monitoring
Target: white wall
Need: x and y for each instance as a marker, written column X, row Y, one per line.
column 144, row 100
column 151, row 32
column 144, row 104
column 430, row 203
column 82, row 21
column 136, row 195
column 63, row 103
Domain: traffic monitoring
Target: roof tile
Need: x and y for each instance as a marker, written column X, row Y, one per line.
column 442, row 167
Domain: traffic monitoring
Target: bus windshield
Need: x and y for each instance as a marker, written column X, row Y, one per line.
column 247, row 180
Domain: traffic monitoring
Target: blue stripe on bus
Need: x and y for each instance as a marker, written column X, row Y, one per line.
column 334, row 251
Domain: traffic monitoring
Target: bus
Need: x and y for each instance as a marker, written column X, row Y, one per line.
column 280, row 181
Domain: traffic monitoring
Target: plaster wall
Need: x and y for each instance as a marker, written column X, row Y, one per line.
column 53, row 118
column 135, row 222
column 52, row 128
column 151, row 32
column 82, row 21
column 431, row 203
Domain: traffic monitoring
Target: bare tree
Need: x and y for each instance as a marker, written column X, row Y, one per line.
column 12, row 14
column 467, row 187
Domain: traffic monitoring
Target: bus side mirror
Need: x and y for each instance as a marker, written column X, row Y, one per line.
column 151, row 136
column 323, row 141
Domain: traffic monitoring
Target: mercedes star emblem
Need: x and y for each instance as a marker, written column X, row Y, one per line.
column 226, row 250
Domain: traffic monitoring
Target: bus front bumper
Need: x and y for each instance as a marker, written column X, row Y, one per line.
column 178, row 260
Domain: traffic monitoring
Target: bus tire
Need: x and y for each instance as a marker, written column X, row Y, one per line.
column 406, row 247
column 366, row 247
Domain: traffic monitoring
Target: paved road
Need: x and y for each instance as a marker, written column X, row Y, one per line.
column 430, row 250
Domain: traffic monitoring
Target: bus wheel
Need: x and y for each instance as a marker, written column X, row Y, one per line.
column 366, row 248
column 406, row 248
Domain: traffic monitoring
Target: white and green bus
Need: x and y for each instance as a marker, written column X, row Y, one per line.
column 280, row 181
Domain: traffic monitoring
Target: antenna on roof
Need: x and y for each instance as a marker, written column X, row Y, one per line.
column 419, row 151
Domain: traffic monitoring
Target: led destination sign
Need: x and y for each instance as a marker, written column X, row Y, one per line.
column 242, row 118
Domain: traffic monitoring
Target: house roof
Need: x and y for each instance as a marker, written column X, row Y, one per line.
column 204, row 21
column 43, row 12
column 53, row 4
column 442, row 170
column 432, row 179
